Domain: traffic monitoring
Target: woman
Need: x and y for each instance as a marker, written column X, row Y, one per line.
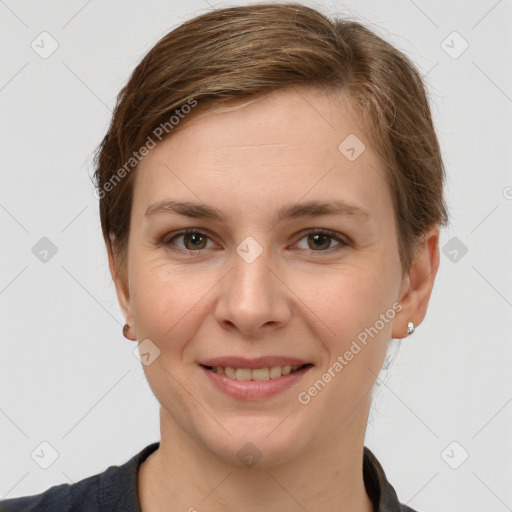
column 271, row 195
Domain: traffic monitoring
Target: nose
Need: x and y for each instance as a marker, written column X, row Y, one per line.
column 253, row 297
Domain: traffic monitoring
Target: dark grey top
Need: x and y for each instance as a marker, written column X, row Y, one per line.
column 116, row 490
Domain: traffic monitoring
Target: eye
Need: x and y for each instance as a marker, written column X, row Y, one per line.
column 193, row 240
column 319, row 240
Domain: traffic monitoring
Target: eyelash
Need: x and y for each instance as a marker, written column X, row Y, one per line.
column 344, row 242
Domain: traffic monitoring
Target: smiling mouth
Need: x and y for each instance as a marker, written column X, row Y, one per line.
column 259, row 374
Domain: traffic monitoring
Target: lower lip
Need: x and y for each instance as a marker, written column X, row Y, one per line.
column 254, row 389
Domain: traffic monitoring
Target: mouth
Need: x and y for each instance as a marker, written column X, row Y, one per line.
column 255, row 378
column 250, row 380
column 264, row 373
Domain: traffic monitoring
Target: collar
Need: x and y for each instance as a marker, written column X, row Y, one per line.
column 379, row 490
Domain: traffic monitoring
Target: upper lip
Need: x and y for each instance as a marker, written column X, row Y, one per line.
column 258, row 362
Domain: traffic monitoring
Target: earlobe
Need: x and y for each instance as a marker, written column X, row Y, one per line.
column 121, row 291
column 126, row 333
column 417, row 285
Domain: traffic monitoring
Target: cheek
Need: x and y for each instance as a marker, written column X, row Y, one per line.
column 357, row 306
column 353, row 298
column 351, row 306
column 165, row 303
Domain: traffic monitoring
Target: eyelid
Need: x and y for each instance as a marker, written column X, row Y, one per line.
column 343, row 240
column 166, row 239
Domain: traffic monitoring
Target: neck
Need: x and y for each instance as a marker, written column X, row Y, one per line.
column 187, row 475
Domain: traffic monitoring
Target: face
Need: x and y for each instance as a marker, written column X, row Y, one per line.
column 292, row 289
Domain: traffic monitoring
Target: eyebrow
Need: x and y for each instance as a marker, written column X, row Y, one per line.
column 290, row 211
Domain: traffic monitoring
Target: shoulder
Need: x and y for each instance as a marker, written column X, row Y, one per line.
column 113, row 489
column 59, row 498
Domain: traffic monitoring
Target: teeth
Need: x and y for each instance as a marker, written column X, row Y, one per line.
column 260, row 374
column 243, row 374
column 257, row 373
column 275, row 372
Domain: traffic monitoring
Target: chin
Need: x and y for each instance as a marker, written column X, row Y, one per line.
column 257, row 441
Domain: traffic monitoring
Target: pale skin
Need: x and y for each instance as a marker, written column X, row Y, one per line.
column 295, row 299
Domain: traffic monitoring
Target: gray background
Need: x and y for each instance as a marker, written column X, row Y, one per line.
column 70, row 379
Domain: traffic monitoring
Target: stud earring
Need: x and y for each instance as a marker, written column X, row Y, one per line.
column 410, row 328
column 125, row 331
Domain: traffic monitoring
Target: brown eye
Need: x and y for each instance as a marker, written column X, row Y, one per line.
column 316, row 241
column 321, row 241
column 192, row 241
column 196, row 241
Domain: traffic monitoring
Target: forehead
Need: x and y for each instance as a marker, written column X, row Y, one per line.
column 291, row 144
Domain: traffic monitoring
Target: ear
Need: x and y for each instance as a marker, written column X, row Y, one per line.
column 123, row 294
column 418, row 283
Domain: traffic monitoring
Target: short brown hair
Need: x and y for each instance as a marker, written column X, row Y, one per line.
column 242, row 52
